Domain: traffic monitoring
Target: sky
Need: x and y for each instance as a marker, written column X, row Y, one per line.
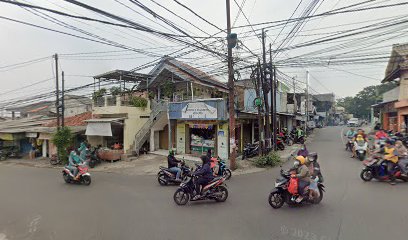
column 81, row 59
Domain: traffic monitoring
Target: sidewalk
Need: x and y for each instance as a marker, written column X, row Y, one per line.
column 148, row 164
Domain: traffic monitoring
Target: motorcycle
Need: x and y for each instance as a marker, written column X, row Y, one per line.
column 250, row 150
column 54, row 160
column 166, row 177
column 93, row 158
column 280, row 194
column 9, row 153
column 279, row 144
column 361, row 149
column 297, row 139
column 349, row 144
column 84, row 175
column 379, row 143
column 376, row 168
column 214, row 190
column 288, row 139
column 223, row 170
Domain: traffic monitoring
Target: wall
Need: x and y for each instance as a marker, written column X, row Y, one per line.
column 95, row 140
column 403, row 93
column 391, row 95
column 132, row 124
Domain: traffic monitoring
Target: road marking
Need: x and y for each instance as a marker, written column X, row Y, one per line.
column 342, row 135
column 32, row 227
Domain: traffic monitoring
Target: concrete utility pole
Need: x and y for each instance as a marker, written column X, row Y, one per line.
column 231, row 96
column 57, row 91
column 273, row 96
column 62, row 100
column 307, row 101
column 266, row 89
column 258, row 95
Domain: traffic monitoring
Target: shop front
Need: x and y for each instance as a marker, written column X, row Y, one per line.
column 200, row 126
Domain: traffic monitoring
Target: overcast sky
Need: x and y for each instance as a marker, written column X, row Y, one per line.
column 20, row 43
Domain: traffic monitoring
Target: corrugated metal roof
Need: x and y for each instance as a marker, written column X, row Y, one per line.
column 104, row 120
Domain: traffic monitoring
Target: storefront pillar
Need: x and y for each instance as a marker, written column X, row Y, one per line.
column 44, row 148
column 151, row 142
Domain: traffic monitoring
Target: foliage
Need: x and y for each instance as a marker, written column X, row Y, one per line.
column 139, row 102
column 115, row 91
column 270, row 160
column 63, row 139
column 100, row 93
column 151, row 95
column 360, row 105
column 168, row 89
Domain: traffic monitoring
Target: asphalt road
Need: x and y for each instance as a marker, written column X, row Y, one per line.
column 35, row 203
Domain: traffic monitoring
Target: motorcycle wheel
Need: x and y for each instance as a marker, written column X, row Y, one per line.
column 162, row 179
column 227, row 174
column 281, row 147
column 361, row 157
column 66, row 177
column 276, row 199
column 92, row 164
column 302, row 141
column 86, row 180
column 243, row 156
column 224, row 194
column 366, row 175
column 290, row 142
column 181, row 197
column 318, row 200
column 53, row 161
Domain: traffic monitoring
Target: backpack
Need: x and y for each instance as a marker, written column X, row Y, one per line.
column 293, row 186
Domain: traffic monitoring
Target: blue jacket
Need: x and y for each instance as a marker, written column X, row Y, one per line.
column 74, row 159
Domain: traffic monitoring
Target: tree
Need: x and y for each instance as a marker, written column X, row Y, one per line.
column 115, row 91
column 62, row 140
column 360, row 105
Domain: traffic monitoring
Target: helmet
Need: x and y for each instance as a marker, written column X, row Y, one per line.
column 301, row 159
column 171, row 152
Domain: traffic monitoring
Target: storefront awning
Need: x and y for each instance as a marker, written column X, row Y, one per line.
column 99, row 129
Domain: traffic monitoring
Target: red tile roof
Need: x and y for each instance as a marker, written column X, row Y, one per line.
column 73, row 121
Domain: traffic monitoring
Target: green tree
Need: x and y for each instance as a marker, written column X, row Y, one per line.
column 62, row 140
column 115, row 91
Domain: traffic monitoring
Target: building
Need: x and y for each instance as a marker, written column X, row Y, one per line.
column 325, row 108
column 393, row 110
column 74, row 105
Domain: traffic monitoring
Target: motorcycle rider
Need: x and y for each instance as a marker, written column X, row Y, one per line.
column 299, row 133
column 303, row 174
column 172, row 163
column 391, row 158
column 303, row 151
column 205, row 176
column 380, row 134
column 359, row 136
column 83, row 150
column 402, row 157
column 73, row 161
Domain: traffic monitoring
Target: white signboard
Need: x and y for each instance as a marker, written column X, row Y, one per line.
column 181, row 138
column 198, row 110
column 222, row 141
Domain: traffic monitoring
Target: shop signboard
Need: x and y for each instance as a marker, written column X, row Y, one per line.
column 181, row 138
column 198, row 110
column 208, row 109
column 222, row 141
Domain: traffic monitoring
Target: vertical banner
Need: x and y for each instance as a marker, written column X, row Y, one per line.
column 181, row 138
column 222, row 140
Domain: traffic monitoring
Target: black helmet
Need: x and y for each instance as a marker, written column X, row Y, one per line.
column 390, row 141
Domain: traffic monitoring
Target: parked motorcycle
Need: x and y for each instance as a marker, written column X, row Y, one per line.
column 165, row 176
column 280, row 194
column 279, row 144
column 376, row 168
column 54, row 160
column 223, row 170
column 297, row 139
column 361, row 149
column 288, row 140
column 214, row 190
column 9, row 153
column 84, row 175
column 93, row 158
column 250, row 150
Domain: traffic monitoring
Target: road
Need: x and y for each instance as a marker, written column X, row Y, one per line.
column 35, row 203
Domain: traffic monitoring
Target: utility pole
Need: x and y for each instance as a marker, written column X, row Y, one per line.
column 231, row 95
column 266, row 89
column 273, row 98
column 307, row 101
column 57, row 103
column 62, row 100
column 258, row 95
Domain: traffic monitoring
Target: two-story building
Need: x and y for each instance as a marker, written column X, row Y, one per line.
column 394, row 108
